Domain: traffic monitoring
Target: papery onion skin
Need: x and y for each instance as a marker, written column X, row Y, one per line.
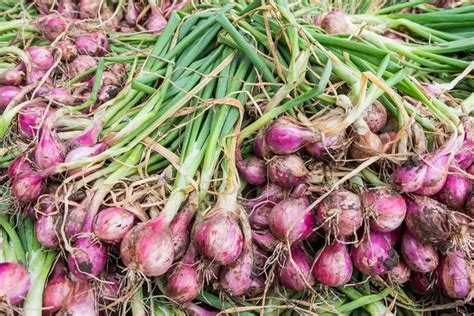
column 12, row 77
column 81, row 64
column 53, row 25
column 436, row 174
column 41, row 57
column 327, row 146
column 68, row 50
column 270, row 195
column 296, row 274
column 287, row 171
column 400, row 274
column 386, row 208
column 49, row 150
column 259, row 217
column 82, row 301
column 374, row 255
column 259, row 145
column 179, row 227
column 92, row 44
column 337, row 22
column 252, row 170
column 454, row 275
column 46, row 227
column 419, row 257
column 87, row 259
column 286, row 137
column 88, row 8
column 290, row 221
column 68, row 8
column 15, row 282
column 340, row 213
column 156, row 21
column 333, row 265
column 7, row 93
column 111, row 224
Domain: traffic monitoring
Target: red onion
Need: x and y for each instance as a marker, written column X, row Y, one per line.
column 30, row 119
column 374, row 255
column 436, row 174
column 36, row 75
column 15, row 282
column 41, row 57
column 400, row 273
column 286, row 137
column 333, row 265
column 156, row 21
column 110, row 286
column 93, row 44
column 62, row 96
column 12, row 77
column 47, row 224
column 196, row 310
column 185, row 282
column 465, row 155
column 456, row 190
column 236, row 278
column 219, row 237
column 295, row 272
column 53, row 25
column 68, row 50
column 49, row 151
column 454, row 275
column 82, row 300
column 132, row 12
column 419, row 257
column 270, row 195
column 327, row 146
column 290, row 221
column 57, row 290
column 387, row 140
column 111, row 224
column 259, row 145
column 337, row 22
column 84, row 152
column 366, row 143
column 68, row 8
column 81, row 64
column 422, row 283
column 44, row 6
column 259, row 217
column 88, row 8
column 252, row 170
column 265, row 240
column 340, row 213
column 28, row 186
column 87, row 258
column 7, row 93
column 148, row 248
column 410, row 176
column 257, row 286
column 469, row 209
column 75, row 219
column 376, row 117
column 180, row 226
column 386, row 208
column 18, row 166
column 287, row 171
column 393, row 237
column 108, row 78
column 108, row 92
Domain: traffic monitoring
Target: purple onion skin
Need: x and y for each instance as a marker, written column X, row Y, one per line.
column 386, row 207
column 30, row 119
column 285, row 137
column 15, row 283
column 92, row 44
column 81, row 64
column 393, row 237
column 340, row 213
column 148, row 248
column 422, row 283
column 68, row 50
column 82, row 301
column 27, row 187
column 179, row 228
column 454, row 275
column 49, row 150
column 88, row 8
column 419, row 257
column 56, row 292
column 376, row 117
column 236, row 278
column 196, row 310
column 47, row 224
column 74, row 220
column 131, row 13
column 333, row 265
column 337, row 22
column 83, row 152
column 7, row 93
column 265, row 240
column 374, row 255
column 436, row 174
column 62, row 96
column 259, row 217
column 409, row 177
column 108, row 92
column 296, row 274
column 36, row 75
column 456, row 191
column 400, row 274
column 68, row 9
column 326, row 147
column 87, row 259
column 257, row 286
column 185, row 282
column 12, row 77
column 53, row 25
column 219, row 238
column 287, row 171
column 252, row 170
column 270, row 195
column 469, row 209
column 259, row 145
column 464, row 157
column 41, row 57
column 156, row 21
column 290, row 221
column 18, row 166
column 111, row 224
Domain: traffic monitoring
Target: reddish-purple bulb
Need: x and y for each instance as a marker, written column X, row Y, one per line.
column 15, row 282
column 333, row 265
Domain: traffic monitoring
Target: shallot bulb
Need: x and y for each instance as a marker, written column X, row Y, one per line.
column 46, row 227
column 185, row 282
column 219, row 237
column 92, row 44
column 7, row 93
column 422, row 283
column 366, row 143
column 111, row 224
column 294, row 272
column 87, row 258
column 400, row 273
column 236, row 278
column 36, row 75
column 156, row 21
column 333, row 265
column 41, row 57
column 419, row 257
column 62, row 96
column 337, row 22
column 287, row 171
column 108, row 92
column 270, row 195
column 410, row 176
column 259, row 145
column 265, row 240
column 456, row 190
column 386, row 208
column 465, row 155
column 285, row 136
column 53, row 25
column 436, row 174
column 252, row 170
column 31, row 118
column 57, row 290
column 75, row 218
column 49, row 151
column 290, row 221
column 340, row 213
column 28, row 186
column 68, row 9
column 327, row 146
column 180, row 225
column 259, row 217
column 12, row 77
column 374, row 255
column 376, row 117
column 131, row 14
column 388, row 139
column 82, row 300
column 18, row 166
column 88, row 9
column 454, row 275
column 68, row 50
column 81, row 64
column 15, row 282
column 469, row 208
